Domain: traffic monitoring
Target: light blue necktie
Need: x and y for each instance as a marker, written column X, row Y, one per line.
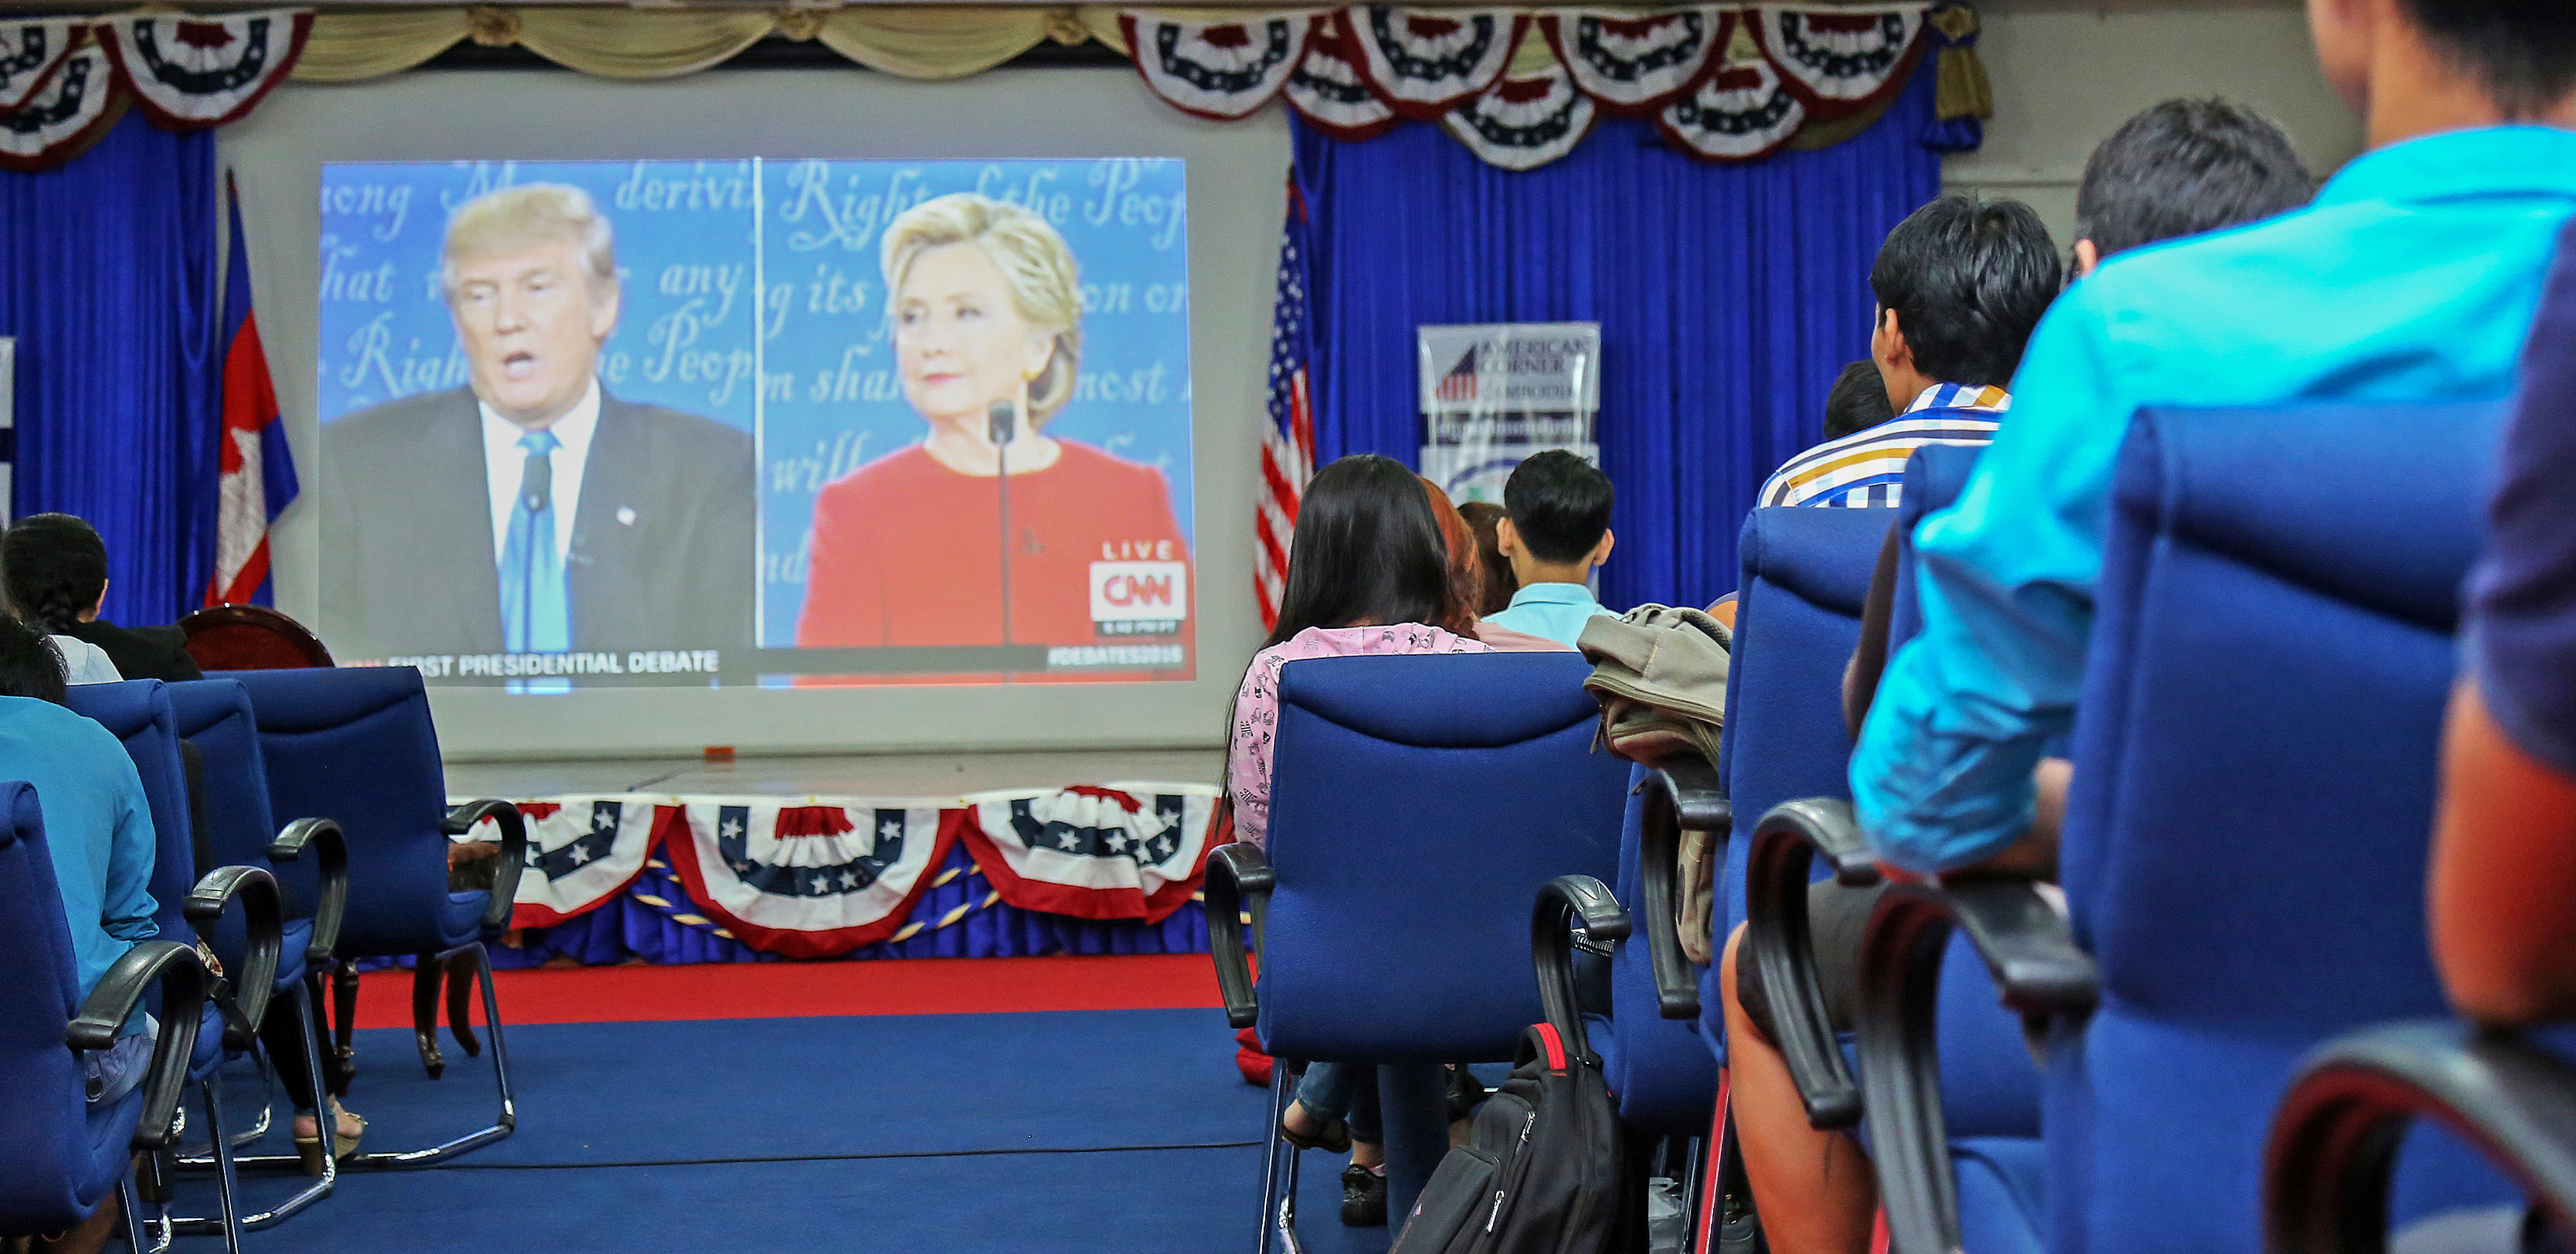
column 536, row 611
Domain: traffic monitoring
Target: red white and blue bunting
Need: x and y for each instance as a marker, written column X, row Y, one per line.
column 816, row 877
column 1724, row 82
column 64, row 81
column 1117, row 851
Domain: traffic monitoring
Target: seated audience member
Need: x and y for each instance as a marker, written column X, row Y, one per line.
column 2182, row 167
column 55, row 567
column 1498, row 585
column 1370, row 571
column 1960, row 283
column 1857, row 401
column 1555, row 532
column 2179, row 168
column 98, row 829
column 2503, row 920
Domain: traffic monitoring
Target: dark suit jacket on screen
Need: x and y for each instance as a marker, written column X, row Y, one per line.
column 661, row 553
column 137, row 654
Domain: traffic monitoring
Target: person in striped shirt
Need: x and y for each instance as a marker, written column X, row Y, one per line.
column 1960, row 284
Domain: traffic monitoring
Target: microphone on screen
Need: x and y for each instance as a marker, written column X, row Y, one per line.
column 1002, row 422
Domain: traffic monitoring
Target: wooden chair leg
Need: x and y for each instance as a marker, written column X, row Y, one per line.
column 424, row 1014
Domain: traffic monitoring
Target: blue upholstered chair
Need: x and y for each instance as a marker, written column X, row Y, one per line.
column 59, row 1156
column 2245, row 845
column 139, row 714
column 310, row 863
column 356, row 746
column 1662, row 1074
column 1417, row 805
column 1989, row 1090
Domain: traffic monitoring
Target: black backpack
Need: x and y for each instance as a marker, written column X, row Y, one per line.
column 1549, row 1169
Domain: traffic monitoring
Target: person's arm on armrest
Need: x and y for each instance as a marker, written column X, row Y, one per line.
column 1942, row 775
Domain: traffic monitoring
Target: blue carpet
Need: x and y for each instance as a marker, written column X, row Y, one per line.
column 763, row 1088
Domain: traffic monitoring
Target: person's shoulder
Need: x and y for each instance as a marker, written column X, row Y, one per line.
column 2234, row 275
column 902, row 470
column 677, row 431
column 399, row 418
column 1092, row 462
column 60, row 731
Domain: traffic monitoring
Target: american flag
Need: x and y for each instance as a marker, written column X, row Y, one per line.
column 1288, row 447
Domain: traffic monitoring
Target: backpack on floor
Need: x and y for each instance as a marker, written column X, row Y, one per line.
column 1548, row 1170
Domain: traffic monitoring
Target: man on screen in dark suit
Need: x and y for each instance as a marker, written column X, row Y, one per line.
column 530, row 511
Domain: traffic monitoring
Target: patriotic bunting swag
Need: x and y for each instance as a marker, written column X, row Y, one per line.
column 1122, row 851
column 64, row 81
column 817, row 877
column 1723, row 82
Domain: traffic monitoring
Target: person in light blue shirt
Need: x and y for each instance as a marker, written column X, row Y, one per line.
column 2412, row 275
column 1555, row 530
column 98, row 829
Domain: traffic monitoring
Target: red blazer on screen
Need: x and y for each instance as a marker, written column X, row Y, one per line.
column 908, row 552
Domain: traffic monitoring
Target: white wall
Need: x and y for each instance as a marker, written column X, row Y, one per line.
column 1236, row 179
column 2066, row 75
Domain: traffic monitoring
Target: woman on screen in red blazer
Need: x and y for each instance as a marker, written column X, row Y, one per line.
column 986, row 311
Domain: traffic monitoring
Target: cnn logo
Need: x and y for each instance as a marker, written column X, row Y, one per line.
column 1126, row 592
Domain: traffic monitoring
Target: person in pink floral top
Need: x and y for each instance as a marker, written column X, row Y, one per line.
column 1380, row 563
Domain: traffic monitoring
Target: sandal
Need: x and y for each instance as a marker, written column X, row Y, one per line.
column 343, row 1144
column 1333, row 1137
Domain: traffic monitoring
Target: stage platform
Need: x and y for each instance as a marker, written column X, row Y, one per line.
column 682, row 860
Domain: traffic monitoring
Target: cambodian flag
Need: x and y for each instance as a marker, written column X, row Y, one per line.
column 258, row 480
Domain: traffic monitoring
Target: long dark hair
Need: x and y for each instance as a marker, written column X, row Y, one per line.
column 55, row 567
column 1368, row 550
column 29, row 666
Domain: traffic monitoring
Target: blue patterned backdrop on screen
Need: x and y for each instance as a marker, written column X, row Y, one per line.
column 684, row 234
column 835, row 401
column 701, row 244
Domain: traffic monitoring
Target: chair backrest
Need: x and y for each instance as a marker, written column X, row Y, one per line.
column 215, row 716
column 356, row 745
column 138, row 712
column 1417, row 803
column 2256, row 768
column 249, row 638
column 1663, row 1075
column 44, row 1131
column 1806, row 572
column 1933, row 479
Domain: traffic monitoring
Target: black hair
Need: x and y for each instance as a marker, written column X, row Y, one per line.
column 30, row 666
column 2183, row 167
column 1559, row 503
column 55, row 567
column 1367, row 550
column 1857, row 401
column 1967, row 279
column 2522, row 51
column 1499, row 583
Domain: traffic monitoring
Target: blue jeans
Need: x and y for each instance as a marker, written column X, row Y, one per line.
column 113, row 1072
column 1342, row 1090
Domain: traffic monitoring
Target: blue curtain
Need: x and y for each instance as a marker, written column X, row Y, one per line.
column 1728, row 298
column 107, row 278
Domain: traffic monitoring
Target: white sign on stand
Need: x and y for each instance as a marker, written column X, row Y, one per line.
column 1493, row 395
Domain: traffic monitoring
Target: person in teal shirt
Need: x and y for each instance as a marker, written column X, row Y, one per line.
column 2412, row 276
column 1555, row 530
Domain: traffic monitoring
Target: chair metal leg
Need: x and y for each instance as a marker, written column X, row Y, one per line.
column 321, row 1186
column 425, row 974
column 1274, row 1219
column 508, row 1120
column 227, row 1205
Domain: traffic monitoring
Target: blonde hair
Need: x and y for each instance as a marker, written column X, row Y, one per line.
column 1046, row 286
column 513, row 217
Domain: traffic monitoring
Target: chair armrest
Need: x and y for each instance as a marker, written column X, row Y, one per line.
column 114, row 1000
column 2039, row 971
column 514, row 853
column 1785, row 844
column 244, row 994
column 1683, row 793
column 1238, row 875
column 323, row 837
column 2335, row 1139
column 1564, row 904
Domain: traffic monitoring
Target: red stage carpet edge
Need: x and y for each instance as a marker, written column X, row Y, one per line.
column 786, row 990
